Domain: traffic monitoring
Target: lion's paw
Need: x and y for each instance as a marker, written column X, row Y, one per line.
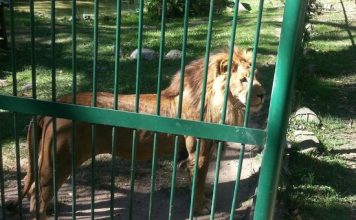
column 203, row 207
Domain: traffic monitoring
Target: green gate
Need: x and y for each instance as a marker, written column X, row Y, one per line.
column 272, row 138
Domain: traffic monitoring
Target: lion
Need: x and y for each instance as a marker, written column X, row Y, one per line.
column 192, row 92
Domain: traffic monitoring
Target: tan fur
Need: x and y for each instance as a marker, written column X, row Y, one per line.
column 193, row 80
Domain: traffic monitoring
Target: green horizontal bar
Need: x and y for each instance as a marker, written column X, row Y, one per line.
column 134, row 120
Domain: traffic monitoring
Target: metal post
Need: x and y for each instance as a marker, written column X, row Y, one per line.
column 279, row 109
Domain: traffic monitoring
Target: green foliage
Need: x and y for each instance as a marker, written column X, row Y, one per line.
column 175, row 8
column 154, row 8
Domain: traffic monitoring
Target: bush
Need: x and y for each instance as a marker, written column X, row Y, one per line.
column 175, row 8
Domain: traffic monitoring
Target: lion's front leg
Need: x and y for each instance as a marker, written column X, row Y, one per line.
column 202, row 204
column 42, row 203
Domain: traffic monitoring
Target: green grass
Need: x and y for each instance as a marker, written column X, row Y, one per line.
column 321, row 185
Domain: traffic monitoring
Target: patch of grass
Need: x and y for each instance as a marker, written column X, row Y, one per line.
column 322, row 185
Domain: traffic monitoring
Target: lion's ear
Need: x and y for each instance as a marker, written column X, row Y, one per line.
column 223, row 65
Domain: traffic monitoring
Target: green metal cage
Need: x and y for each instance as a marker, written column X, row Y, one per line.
column 272, row 138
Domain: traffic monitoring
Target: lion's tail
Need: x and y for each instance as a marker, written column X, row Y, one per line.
column 29, row 178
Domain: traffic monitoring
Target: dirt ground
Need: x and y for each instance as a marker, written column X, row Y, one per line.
column 228, row 171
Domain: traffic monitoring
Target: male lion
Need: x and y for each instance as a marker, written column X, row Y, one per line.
column 193, row 78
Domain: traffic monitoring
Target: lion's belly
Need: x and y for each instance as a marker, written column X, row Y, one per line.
column 124, row 140
column 145, row 142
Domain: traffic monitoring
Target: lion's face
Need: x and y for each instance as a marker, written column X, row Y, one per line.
column 240, row 77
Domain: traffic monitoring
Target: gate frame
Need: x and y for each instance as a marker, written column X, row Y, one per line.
column 283, row 83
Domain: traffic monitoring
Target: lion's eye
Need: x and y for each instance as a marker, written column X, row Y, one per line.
column 243, row 79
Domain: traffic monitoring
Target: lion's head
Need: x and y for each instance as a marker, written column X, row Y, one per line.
column 215, row 88
column 240, row 77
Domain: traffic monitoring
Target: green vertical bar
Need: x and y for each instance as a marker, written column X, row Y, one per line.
column 279, row 108
column 94, row 100
column 14, row 92
column 3, row 213
column 116, row 83
column 158, row 105
column 13, row 59
column 194, row 183
column 237, row 181
column 34, row 96
column 18, row 165
column 253, row 64
column 74, row 97
column 139, row 50
column 223, row 116
column 113, row 162
column 33, row 65
column 182, row 64
column 247, row 111
column 174, row 174
column 137, row 106
column 216, row 180
column 35, row 163
column 93, row 151
column 74, row 50
column 54, row 94
column 133, row 171
column 231, row 54
column 202, row 104
column 206, row 60
column 180, row 101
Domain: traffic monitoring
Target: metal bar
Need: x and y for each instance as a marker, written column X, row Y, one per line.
column 93, row 151
column 74, row 91
column 113, row 162
column 74, row 50
column 231, row 54
column 134, row 120
column 182, row 64
column 35, row 163
column 18, row 165
column 137, row 105
column 202, row 104
column 133, row 171
column 116, row 88
column 194, row 183
column 153, row 174
column 139, row 51
column 216, row 180
column 158, row 105
column 54, row 94
column 237, row 181
column 289, row 46
column 13, row 59
column 33, row 65
column 206, row 60
column 223, row 116
column 34, row 96
column 247, row 111
column 3, row 213
column 174, row 175
column 180, row 102
column 94, row 103
column 253, row 64
column 14, row 92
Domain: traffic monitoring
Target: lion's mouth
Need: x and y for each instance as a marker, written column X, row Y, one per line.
column 253, row 107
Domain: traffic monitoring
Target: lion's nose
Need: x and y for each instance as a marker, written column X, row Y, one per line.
column 261, row 96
